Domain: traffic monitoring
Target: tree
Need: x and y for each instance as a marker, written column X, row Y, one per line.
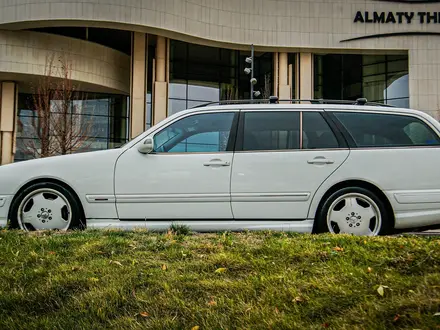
column 267, row 88
column 58, row 124
column 229, row 92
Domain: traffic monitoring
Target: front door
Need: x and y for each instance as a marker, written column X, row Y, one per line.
column 187, row 176
column 282, row 158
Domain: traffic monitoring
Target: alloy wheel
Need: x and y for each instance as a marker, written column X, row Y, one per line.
column 44, row 209
column 354, row 213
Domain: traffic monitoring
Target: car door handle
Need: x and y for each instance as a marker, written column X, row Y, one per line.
column 216, row 162
column 320, row 161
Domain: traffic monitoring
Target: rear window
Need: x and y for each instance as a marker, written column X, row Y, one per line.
column 387, row 130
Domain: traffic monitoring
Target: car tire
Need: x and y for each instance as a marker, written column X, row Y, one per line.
column 354, row 210
column 46, row 206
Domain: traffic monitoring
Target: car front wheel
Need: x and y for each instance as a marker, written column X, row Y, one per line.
column 45, row 206
column 354, row 210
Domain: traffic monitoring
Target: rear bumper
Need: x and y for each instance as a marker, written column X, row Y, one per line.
column 5, row 202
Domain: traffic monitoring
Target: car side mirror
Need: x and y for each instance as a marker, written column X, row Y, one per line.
column 147, row 146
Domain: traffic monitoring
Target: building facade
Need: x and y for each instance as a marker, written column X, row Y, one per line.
column 138, row 61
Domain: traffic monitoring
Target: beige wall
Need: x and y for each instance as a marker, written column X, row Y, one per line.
column 306, row 76
column 23, row 55
column 8, row 105
column 160, row 97
column 290, row 23
column 282, row 26
column 424, row 75
column 138, row 82
column 284, row 89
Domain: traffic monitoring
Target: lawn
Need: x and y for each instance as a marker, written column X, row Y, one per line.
column 264, row 280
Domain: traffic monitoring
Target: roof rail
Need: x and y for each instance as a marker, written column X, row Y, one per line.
column 275, row 100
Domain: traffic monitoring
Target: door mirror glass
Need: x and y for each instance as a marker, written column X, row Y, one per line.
column 147, row 146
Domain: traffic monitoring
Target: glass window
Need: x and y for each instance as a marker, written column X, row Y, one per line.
column 192, row 104
column 271, row 131
column 372, row 59
column 292, row 58
column 379, row 78
column 202, row 74
column 149, row 110
column 176, row 106
column 177, row 90
column 398, row 66
column 374, row 87
column 197, row 133
column 420, row 134
column 400, row 103
column 386, row 130
column 317, row 134
column 203, row 91
column 397, row 86
column 369, row 70
column 94, row 121
column 203, row 142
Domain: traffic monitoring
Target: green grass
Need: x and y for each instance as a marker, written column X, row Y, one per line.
column 142, row 280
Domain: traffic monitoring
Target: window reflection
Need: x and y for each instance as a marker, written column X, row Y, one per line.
column 386, row 130
column 196, row 133
column 379, row 78
column 271, row 131
column 200, row 91
column 202, row 74
column 104, row 115
column 177, row 90
column 397, row 89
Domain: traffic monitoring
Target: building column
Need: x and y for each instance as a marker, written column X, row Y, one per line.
column 284, row 88
column 8, row 111
column 160, row 98
column 305, row 73
column 138, row 88
column 275, row 74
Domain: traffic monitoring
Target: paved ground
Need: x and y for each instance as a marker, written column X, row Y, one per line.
column 426, row 233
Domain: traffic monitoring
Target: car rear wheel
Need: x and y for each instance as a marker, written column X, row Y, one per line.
column 45, row 206
column 354, row 210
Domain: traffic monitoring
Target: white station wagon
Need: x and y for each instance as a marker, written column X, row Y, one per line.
column 341, row 168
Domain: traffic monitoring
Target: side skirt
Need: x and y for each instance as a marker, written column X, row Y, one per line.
column 304, row 226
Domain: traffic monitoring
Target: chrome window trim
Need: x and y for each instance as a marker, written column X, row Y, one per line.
column 397, row 148
column 268, row 109
column 190, row 153
column 291, row 150
column 301, row 132
column 301, row 110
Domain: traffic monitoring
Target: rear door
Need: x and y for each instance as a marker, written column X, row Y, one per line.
column 281, row 159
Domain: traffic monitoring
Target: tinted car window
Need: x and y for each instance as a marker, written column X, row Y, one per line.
column 317, row 133
column 271, row 130
column 203, row 142
column 197, row 133
column 387, row 130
